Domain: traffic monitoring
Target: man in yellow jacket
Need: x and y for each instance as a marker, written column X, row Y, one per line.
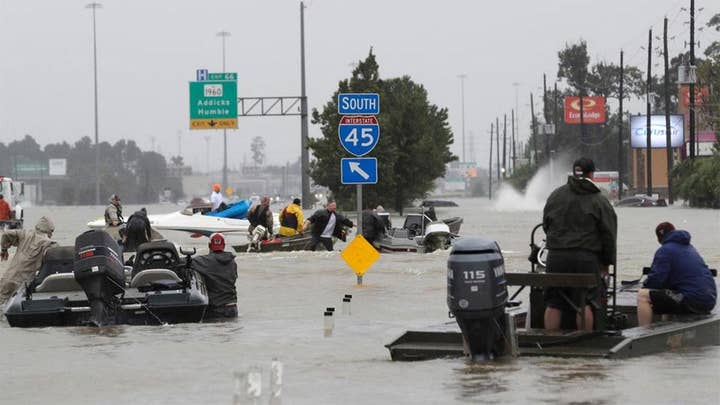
column 291, row 219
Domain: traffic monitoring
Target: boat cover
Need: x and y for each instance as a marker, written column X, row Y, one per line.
column 237, row 210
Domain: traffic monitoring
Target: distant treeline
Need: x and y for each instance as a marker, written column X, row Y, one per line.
column 137, row 176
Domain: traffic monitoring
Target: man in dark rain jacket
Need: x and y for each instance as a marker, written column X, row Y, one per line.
column 219, row 270
column 581, row 230
column 679, row 281
column 326, row 223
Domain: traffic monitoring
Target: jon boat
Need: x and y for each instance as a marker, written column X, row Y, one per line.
column 88, row 285
column 488, row 324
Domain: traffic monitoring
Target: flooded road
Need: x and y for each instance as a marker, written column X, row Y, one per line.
column 282, row 297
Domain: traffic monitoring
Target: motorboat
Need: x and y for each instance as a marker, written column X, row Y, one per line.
column 88, row 284
column 488, row 322
column 641, row 200
column 419, row 233
column 193, row 219
column 260, row 242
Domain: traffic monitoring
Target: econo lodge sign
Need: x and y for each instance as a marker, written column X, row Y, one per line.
column 593, row 110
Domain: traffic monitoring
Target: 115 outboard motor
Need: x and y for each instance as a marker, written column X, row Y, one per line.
column 477, row 295
column 98, row 268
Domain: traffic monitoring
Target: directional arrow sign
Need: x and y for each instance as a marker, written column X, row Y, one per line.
column 359, row 134
column 358, row 171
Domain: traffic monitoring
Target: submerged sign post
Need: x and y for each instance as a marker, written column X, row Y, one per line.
column 359, row 133
column 213, row 101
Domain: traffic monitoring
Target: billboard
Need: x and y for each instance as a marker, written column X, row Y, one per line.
column 593, row 110
column 638, row 124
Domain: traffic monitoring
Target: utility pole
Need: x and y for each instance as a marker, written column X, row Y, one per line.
column 304, row 153
column 648, row 154
column 621, row 115
column 555, row 122
column 517, row 112
column 692, row 84
column 490, row 165
column 497, row 148
column 534, row 129
column 512, row 125
column 545, row 110
column 462, row 104
column 668, row 147
column 223, row 35
column 95, row 6
column 504, row 145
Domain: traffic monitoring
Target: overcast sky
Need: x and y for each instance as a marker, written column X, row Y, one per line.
column 148, row 52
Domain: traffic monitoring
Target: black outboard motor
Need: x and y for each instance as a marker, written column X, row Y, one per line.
column 477, row 294
column 98, row 268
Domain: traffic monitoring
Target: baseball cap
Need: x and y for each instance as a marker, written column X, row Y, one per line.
column 583, row 166
column 216, row 187
column 217, row 242
column 296, row 201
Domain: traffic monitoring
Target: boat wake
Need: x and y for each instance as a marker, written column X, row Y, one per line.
column 547, row 178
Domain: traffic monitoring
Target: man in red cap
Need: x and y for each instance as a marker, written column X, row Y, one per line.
column 679, row 281
column 219, row 270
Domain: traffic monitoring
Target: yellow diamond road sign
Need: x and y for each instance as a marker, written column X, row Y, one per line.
column 360, row 255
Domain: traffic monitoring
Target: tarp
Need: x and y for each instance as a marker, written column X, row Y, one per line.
column 237, row 210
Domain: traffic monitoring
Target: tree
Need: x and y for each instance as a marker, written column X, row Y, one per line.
column 258, row 150
column 414, row 145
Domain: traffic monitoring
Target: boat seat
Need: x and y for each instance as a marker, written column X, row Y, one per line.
column 149, row 276
column 59, row 282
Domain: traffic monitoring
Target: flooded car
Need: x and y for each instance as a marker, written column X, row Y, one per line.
column 641, row 201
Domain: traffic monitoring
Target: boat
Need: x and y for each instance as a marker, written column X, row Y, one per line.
column 276, row 244
column 193, row 219
column 420, row 233
column 641, row 200
column 88, row 284
column 489, row 323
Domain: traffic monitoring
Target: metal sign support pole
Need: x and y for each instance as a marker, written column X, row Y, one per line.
column 359, row 210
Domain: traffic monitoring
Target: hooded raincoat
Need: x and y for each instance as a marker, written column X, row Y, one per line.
column 677, row 266
column 578, row 216
column 31, row 247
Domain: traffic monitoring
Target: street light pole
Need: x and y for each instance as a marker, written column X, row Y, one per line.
column 223, row 35
column 95, row 6
column 462, row 104
column 304, row 153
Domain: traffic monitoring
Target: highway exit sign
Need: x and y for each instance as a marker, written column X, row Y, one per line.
column 213, row 103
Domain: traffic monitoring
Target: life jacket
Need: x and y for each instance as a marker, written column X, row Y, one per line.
column 288, row 220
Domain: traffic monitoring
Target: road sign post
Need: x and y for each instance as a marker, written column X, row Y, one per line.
column 359, row 132
column 360, row 255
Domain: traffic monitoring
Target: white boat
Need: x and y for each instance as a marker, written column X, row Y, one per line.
column 188, row 221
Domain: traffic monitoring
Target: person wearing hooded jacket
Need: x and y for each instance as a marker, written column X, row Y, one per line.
column 31, row 247
column 581, row 231
column 679, row 281
column 219, row 270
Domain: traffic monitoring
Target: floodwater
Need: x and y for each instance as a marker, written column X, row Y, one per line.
column 282, row 297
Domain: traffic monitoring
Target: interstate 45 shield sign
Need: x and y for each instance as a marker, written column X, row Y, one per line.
column 359, row 134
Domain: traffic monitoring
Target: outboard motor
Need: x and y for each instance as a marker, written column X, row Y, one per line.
column 98, row 268
column 477, row 295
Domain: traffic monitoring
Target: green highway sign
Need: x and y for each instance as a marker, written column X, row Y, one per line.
column 213, row 103
column 222, row 76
